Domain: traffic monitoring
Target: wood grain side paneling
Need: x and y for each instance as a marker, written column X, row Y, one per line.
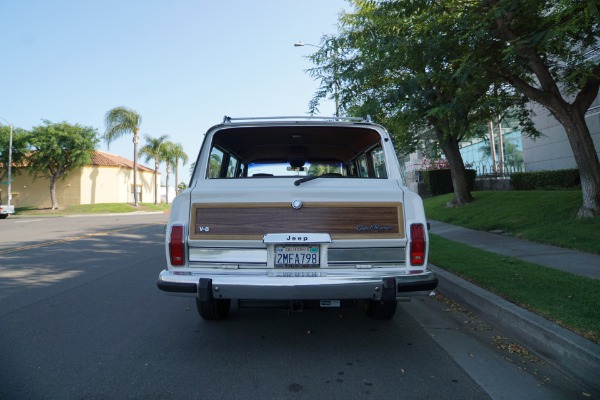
column 254, row 220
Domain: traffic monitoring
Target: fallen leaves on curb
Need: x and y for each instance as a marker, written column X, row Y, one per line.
column 451, row 304
column 503, row 343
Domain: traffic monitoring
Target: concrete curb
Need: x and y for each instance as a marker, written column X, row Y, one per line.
column 575, row 356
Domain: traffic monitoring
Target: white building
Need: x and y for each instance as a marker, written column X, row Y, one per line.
column 552, row 151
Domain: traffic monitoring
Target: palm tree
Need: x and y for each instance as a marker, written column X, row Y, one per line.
column 178, row 154
column 152, row 150
column 171, row 154
column 167, row 154
column 120, row 121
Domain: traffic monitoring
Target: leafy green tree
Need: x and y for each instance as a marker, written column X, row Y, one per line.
column 57, row 149
column 120, row 121
column 152, row 150
column 400, row 62
column 320, row 169
column 19, row 149
column 548, row 50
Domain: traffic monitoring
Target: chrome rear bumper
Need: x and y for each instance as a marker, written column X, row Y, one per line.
column 308, row 284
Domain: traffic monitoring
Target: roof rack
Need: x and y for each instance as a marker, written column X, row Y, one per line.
column 227, row 119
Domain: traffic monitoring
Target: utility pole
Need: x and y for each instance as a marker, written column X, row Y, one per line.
column 10, row 139
column 335, row 78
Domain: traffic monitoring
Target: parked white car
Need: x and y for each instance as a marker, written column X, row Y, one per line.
column 296, row 212
column 6, row 210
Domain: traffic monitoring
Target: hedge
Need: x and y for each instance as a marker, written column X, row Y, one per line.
column 548, row 180
column 439, row 181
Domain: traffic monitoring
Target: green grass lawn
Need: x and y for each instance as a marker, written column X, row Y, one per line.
column 540, row 216
column 569, row 300
column 103, row 208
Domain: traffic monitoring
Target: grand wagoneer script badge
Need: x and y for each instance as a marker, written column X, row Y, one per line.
column 372, row 228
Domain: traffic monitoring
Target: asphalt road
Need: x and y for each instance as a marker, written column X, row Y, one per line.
column 81, row 318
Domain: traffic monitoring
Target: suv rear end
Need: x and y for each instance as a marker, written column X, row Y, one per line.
column 295, row 212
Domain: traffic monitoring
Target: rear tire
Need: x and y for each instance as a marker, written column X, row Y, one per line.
column 381, row 310
column 3, row 216
column 213, row 310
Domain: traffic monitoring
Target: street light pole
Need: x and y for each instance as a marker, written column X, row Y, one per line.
column 10, row 138
column 335, row 81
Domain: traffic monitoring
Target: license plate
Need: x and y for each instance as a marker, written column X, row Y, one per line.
column 297, row 256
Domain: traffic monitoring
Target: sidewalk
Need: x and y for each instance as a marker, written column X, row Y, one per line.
column 575, row 262
column 574, row 355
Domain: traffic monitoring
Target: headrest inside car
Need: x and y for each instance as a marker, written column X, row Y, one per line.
column 297, row 157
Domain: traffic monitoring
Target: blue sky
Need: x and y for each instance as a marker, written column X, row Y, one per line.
column 182, row 64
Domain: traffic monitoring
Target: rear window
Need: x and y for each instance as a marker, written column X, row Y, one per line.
column 284, row 151
column 285, row 169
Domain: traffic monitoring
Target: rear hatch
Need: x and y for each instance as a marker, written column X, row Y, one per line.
column 364, row 219
column 345, row 208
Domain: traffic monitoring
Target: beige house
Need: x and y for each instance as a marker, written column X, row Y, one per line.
column 108, row 179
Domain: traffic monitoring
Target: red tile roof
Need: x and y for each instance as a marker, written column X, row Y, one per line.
column 103, row 159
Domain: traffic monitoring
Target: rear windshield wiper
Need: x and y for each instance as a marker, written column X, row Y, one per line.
column 310, row 178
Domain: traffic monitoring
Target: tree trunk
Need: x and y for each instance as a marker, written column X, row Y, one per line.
column 570, row 116
column 53, row 193
column 136, row 140
column 585, row 156
column 176, row 177
column 156, row 181
column 168, row 167
column 458, row 172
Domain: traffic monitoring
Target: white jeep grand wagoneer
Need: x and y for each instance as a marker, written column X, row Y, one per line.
column 295, row 212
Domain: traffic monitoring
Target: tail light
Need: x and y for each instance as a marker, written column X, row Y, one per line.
column 417, row 244
column 177, row 246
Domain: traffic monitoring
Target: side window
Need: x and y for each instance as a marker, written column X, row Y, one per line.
column 370, row 164
column 233, row 167
column 223, row 164
column 351, row 168
column 242, row 171
column 363, row 166
column 378, row 163
column 214, row 163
